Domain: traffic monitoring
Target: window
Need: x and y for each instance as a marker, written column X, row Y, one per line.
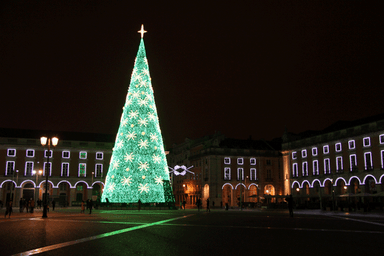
column 381, row 139
column 353, row 162
column 98, row 170
column 83, row 155
column 368, row 161
column 326, row 149
column 28, row 168
column 253, row 174
column 252, row 161
column 366, row 142
column 227, row 173
column 11, row 152
column 99, row 155
column 339, row 163
column 64, row 169
column 327, row 166
column 268, row 162
column 82, row 170
column 30, row 153
column 305, row 169
column 66, row 154
column 294, row 155
column 351, row 144
column 304, row 153
column 47, row 168
column 295, row 170
column 240, row 174
column 227, row 160
column 314, row 151
column 10, row 168
column 382, row 159
column 315, row 165
column 240, row 161
column 338, row 147
column 63, row 186
column 47, row 154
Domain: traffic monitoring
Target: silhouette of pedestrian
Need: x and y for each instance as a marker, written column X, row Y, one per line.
column 53, row 205
column 8, row 210
column 82, row 206
column 289, row 200
column 213, row 204
column 90, row 206
column 184, row 203
column 208, row 210
column 139, row 204
column 32, row 204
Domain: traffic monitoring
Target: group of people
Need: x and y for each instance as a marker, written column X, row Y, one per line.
column 29, row 205
column 88, row 204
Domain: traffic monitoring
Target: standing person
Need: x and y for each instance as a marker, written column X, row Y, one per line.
column 213, row 204
column 184, row 203
column 90, row 206
column 208, row 210
column 53, row 205
column 139, row 204
column 181, row 205
column 289, row 200
column 82, row 206
column 21, row 204
column 198, row 204
column 32, row 202
column 8, row 210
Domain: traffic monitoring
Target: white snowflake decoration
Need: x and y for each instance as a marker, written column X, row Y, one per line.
column 131, row 136
column 143, row 102
column 135, row 95
column 143, row 188
column 151, row 116
column 159, row 180
column 153, row 137
column 156, row 158
column 112, row 187
column 143, row 122
column 128, row 157
column 124, row 122
column 116, row 164
column 126, row 181
column 133, row 114
column 143, row 144
column 143, row 166
column 119, row 144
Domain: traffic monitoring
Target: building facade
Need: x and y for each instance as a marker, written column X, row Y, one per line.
column 227, row 171
column 76, row 166
column 340, row 166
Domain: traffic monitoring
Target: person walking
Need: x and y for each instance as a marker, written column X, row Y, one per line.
column 21, row 204
column 53, row 205
column 208, row 210
column 289, row 200
column 90, row 206
column 32, row 203
column 82, row 206
column 8, row 210
column 184, row 203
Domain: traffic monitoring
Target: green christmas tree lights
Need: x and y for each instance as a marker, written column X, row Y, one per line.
column 138, row 168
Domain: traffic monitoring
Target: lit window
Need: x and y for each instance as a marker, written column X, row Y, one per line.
column 64, row 169
column 11, row 152
column 227, row 173
column 381, row 139
column 366, row 142
column 227, row 160
column 28, row 168
column 338, row 147
column 339, row 163
column 47, row 168
column 327, row 166
column 98, row 170
column 295, row 170
column 314, row 151
column 382, row 159
column 83, row 155
column 253, row 174
column 315, row 165
column 30, row 153
column 294, row 155
column 99, row 156
column 47, row 153
column 253, row 161
column 368, row 161
column 305, row 169
column 353, row 162
column 240, row 161
column 240, row 174
column 304, row 153
column 326, row 149
column 351, row 144
column 66, row 154
column 82, row 170
column 10, row 168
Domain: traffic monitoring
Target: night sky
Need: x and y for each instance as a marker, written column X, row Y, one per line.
column 244, row 70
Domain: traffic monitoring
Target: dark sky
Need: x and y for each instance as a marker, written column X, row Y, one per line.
column 246, row 69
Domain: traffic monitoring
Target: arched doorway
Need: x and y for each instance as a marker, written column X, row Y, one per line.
column 227, row 195
column 28, row 191
column 205, row 193
column 253, row 194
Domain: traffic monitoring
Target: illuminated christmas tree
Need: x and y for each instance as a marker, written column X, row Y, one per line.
column 138, row 169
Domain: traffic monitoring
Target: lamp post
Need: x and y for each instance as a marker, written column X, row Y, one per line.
column 47, row 141
column 37, row 179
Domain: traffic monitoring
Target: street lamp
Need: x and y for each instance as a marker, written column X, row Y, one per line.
column 37, row 176
column 47, row 141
